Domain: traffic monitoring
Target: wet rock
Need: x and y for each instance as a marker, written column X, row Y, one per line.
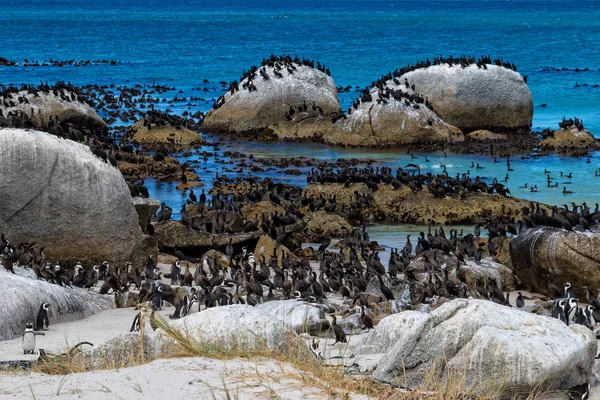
column 321, row 225
column 483, row 135
column 165, row 134
column 395, row 122
column 474, row 98
column 145, row 209
column 22, row 297
column 481, row 340
column 298, row 315
column 56, row 193
column 569, row 138
column 540, row 254
column 175, row 234
column 264, row 109
column 46, row 105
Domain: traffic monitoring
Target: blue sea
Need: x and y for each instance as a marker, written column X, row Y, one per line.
column 181, row 43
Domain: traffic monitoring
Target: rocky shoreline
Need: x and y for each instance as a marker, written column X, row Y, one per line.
column 239, row 266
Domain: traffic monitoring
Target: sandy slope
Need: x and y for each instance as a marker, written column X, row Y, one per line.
column 189, row 378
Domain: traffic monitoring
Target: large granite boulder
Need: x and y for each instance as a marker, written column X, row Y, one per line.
column 264, row 110
column 543, row 255
column 56, row 193
column 163, row 135
column 489, row 344
column 22, row 295
column 393, row 122
column 569, row 138
column 473, row 97
column 298, row 315
column 238, row 327
column 65, row 106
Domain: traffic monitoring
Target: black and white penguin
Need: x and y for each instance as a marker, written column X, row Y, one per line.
column 589, row 315
column 580, row 392
column 157, row 298
column 175, row 272
column 42, row 322
column 559, row 311
column 28, row 341
column 104, row 270
column 520, row 302
column 571, row 310
column 569, row 293
column 138, row 321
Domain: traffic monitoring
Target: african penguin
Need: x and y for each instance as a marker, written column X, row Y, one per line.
column 138, row 321
column 42, row 321
column 580, row 392
column 175, row 272
column 569, row 293
column 157, row 298
column 28, row 341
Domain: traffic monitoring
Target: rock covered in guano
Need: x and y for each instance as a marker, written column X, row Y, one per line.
column 472, row 98
column 311, row 93
column 570, row 138
column 391, row 121
column 237, row 327
column 487, row 345
column 56, row 193
column 65, row 107
column 298, row 315
column 23, row 294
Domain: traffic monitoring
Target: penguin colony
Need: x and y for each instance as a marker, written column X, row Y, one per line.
column 249, row 279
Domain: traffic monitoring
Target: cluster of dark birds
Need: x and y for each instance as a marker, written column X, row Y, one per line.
column 384, row 94
column 438, row 185
column 303, row 108
column 161, row 118
column 581, row 216
column 568, row 123
column 277, row 65
column 55, row 63
column 462, row 60
column 273, row 60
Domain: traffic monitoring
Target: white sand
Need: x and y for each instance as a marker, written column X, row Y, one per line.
column 180, row 378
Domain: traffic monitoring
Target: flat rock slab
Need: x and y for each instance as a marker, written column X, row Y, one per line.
column 175, row 234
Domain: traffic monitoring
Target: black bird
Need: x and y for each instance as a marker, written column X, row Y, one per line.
column 193, row 196
column 340, row 335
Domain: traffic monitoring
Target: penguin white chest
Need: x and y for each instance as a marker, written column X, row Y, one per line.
column 28, row 343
